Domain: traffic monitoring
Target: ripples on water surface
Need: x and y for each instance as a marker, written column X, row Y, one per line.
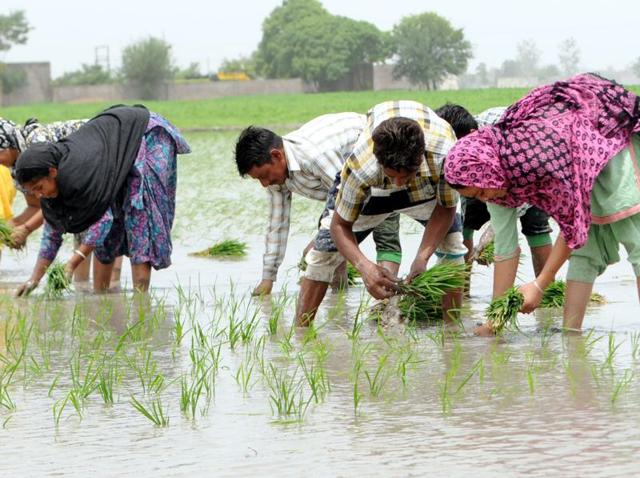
column 531, row 403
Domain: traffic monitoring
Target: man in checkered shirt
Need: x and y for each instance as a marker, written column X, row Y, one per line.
column 305, row 162
column 396, row 166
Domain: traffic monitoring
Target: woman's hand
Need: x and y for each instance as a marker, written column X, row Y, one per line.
column 19, row 236
column 69, row 268
column 532, row 293
column 26, row 288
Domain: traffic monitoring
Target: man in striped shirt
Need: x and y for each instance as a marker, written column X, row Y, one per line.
column 305, row 162
column 396, row 166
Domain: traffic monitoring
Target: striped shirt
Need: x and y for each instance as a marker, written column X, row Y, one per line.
column 315, row 154
column 362, row 170
column 490, row 117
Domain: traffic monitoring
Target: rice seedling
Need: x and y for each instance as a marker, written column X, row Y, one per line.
column 286, row 344
column 621, row 385
column 478, row 366
column 57, row 281
column 248, row 327
column 244, row 374
column 554, row 295
column 503, row 311
column 286, row 394
column 277, row 312
column 105, row 383
column 226, row 249
column 353, row 274
column 5, row 234
column 5, row 398
column 316, row 377
column 156, row 413
column 378, row 379
column 486, row 255
column 635, row 344
column 612, row 348
column 421, row 299
column 357, row 394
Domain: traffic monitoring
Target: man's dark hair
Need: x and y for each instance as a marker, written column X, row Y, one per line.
column 459, row 118
column 253, row 148
column 398, row 143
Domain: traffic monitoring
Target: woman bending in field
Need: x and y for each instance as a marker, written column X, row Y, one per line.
column 115, row 179
column 570, row 150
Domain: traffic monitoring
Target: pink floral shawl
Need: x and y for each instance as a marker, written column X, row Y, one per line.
column 549, row 147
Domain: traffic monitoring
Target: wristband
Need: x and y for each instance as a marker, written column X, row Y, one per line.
column 80, row 253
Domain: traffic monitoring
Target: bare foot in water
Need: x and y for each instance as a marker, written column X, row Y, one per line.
column 484, row 330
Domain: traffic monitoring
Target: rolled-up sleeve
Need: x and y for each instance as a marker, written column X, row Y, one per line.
column 277, row 232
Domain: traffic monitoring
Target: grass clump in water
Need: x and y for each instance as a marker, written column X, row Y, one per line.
column 503, row 311
column 554, row 295
column 57, row 281
column 5, row 233
column 229, row 248
column 422, row 297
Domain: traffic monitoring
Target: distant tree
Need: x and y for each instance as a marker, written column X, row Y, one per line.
column 482, row 74
column 510, row 68
column 86, row 75
column 569, row 57
column 243, row 64
column 147, row 64
column 275, row 52
column 549, row 73
column 192, row 72
column 428, row 49
column 13, row 30
column 528, row 57
column 301, row 39
column 636, row 67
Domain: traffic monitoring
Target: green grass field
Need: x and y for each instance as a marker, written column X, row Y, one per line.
column 273, row 110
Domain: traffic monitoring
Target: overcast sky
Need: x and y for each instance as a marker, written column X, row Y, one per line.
column 66, row 32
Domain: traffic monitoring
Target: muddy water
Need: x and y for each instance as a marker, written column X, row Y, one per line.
column 534, row 402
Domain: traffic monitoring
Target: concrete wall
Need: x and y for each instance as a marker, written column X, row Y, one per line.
column 217, row 89
column 177, row 91
column 37, row 88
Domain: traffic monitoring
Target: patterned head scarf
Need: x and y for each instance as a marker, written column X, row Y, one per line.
column 11, row 136
column 549, row 147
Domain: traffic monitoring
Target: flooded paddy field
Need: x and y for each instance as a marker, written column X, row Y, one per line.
column 201, row 379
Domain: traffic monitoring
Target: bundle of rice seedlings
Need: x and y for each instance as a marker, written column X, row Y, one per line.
column 302, row 265
column 486, row 255
column 554, row 295
column 503, row 311
column 421, row 299
column 5, row 233
column 229, row 248
column 353, row 275
column 57, row 282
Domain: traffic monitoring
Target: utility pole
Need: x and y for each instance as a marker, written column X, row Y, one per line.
column 102, row 57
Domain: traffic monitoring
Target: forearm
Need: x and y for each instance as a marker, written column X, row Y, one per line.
column 559, row 255
column 342, row 233
column 504, row 275
column 35, row 221
column 79, row 255
column 437, row 228
column 39, row 269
